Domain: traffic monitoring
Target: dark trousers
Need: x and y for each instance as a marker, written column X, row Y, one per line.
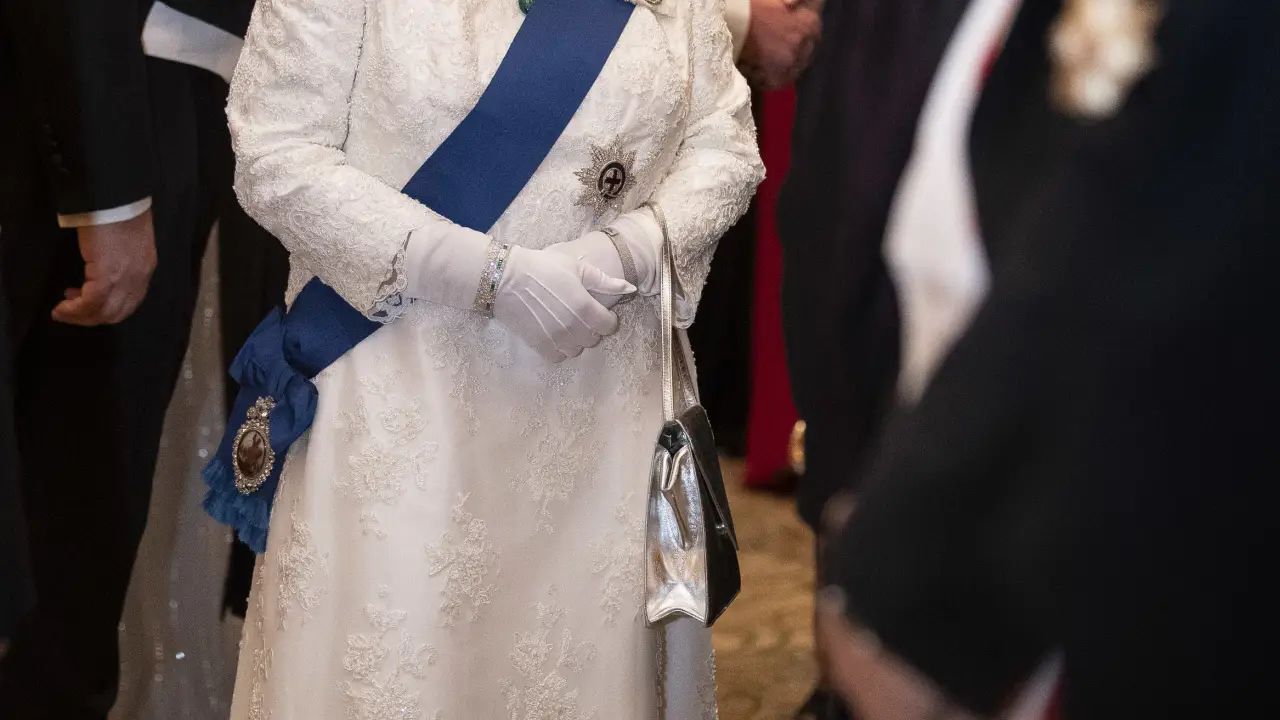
column 89, row 409
column 16, row 594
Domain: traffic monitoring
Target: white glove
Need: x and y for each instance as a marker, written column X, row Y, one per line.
column 547, row 299
column 597, row 250
column 641, row 235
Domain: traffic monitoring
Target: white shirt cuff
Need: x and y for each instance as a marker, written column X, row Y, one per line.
column 172, row 35
column 737, row 14
column 105, row 217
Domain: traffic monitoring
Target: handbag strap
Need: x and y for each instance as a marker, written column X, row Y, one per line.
column 667, row 331
column 677, row 380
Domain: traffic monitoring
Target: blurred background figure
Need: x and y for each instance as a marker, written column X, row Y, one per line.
column 854, row 121
column 1083, row 466
column 772, row 414
column 777, row 50
column 774, row 40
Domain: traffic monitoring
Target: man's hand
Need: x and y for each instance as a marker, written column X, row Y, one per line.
column 875, row 684
column 780, row 41
column 872, row 681
column 118, row 261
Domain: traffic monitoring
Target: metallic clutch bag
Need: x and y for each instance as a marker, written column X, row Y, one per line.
column 691, row 565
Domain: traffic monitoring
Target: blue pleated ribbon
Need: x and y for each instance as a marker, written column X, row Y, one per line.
column 470, row 179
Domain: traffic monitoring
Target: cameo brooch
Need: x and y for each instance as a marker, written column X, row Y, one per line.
column 608, row 177
column 251, row 449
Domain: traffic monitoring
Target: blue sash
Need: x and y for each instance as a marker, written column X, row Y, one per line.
column 470, row 179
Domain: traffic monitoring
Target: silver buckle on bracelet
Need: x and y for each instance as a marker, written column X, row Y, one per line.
column 629, row 272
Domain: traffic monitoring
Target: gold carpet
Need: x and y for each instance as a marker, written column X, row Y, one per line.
column 764, row 642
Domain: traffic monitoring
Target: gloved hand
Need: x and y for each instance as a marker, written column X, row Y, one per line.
column 547, row 299
column 641, row 235
column 597, row 250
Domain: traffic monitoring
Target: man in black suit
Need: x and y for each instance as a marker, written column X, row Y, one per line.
column 100, row 146
column 1092, row 470
column 855, row 121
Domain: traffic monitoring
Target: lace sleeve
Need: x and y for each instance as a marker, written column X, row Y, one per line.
column 288, row 111
column 717, row 168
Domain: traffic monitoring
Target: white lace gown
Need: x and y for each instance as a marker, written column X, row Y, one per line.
column 460, row 536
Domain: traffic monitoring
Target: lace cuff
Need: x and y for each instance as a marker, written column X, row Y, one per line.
column 390, row 301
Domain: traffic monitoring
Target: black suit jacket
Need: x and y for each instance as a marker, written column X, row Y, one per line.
column 855, row 121
column 17, row 594
column 1094, row 467
column 74, row 111
column 75, row 137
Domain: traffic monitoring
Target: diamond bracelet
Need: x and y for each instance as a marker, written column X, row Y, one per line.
column 487, row 293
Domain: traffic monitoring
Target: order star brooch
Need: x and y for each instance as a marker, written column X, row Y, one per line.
column 608, row 177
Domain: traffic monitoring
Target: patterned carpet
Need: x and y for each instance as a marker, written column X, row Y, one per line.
column 764, row 642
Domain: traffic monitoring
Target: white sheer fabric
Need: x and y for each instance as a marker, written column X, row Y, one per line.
column 461, row 534
column 177, row 651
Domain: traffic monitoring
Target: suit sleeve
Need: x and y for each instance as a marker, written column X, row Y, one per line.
column 83, row 75
column 926, row 560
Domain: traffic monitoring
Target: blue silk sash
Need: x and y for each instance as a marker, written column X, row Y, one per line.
column 470, row 179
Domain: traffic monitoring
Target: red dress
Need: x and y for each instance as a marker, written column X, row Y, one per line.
column 772, row 416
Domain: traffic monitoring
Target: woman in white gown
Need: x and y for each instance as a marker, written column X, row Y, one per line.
column 460, row 536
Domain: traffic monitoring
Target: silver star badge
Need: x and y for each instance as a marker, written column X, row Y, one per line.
column 607, row 179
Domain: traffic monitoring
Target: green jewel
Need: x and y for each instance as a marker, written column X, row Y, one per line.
column 525, row 5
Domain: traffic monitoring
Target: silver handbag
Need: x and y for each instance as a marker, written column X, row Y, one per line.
column 691, row 565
